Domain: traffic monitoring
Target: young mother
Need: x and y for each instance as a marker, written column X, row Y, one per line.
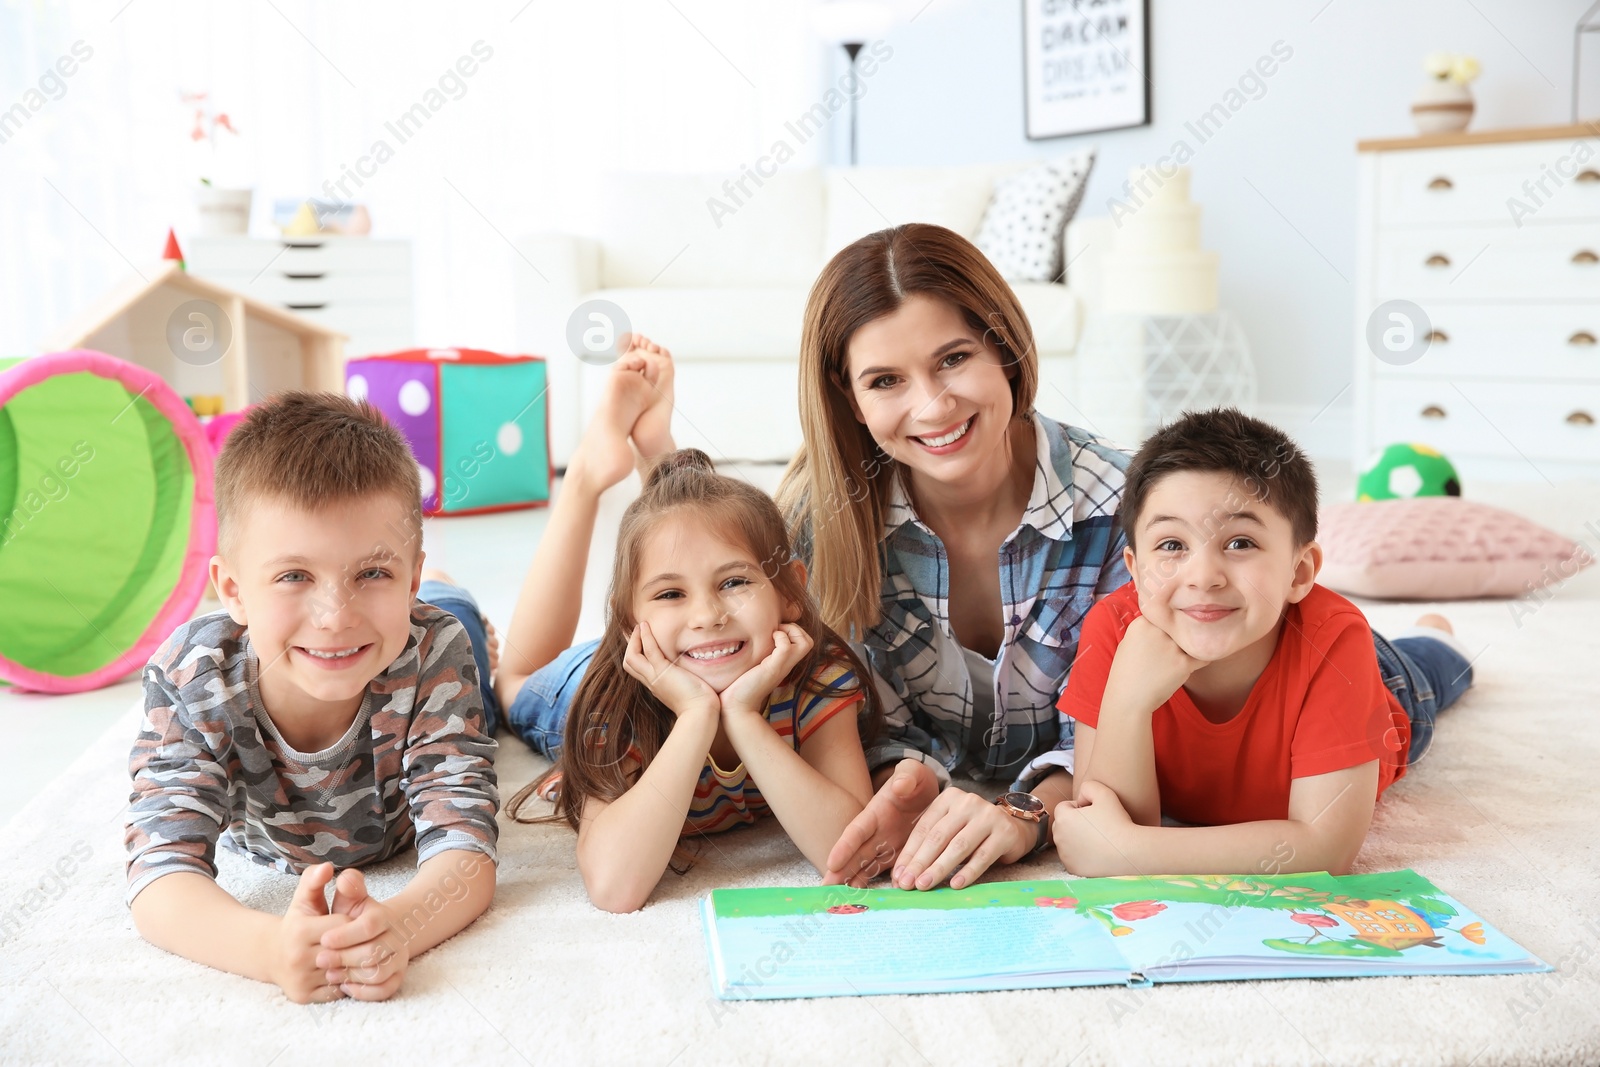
column 957, row 535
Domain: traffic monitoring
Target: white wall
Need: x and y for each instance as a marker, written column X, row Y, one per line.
column 1277, row 182
column 94, row 178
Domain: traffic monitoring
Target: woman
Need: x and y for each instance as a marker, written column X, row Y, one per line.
column 953, row 533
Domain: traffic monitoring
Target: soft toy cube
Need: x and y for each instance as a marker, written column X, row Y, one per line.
column 1407, row 470
column 477, row 422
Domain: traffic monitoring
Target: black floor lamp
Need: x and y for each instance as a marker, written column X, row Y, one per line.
column 851, row 24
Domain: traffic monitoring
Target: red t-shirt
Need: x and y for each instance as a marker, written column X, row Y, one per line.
column 1319, row 706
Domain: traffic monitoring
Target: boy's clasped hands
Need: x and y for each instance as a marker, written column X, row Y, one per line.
column 351, row 948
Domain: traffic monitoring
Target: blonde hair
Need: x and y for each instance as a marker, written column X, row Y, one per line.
column 613, row 713
column 836, row 488
column 311, row 449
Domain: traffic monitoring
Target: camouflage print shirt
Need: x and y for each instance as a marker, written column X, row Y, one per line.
column 414, row 767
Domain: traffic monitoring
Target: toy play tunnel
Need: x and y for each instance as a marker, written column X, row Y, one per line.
column 106, row 518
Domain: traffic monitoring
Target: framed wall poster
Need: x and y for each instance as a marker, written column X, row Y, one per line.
column 1086, row 65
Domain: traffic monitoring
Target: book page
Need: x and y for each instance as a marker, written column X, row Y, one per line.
column 834, row 940
column 1206, row 927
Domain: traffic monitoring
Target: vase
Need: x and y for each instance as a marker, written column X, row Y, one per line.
column 1442, row 106
column 223, row 212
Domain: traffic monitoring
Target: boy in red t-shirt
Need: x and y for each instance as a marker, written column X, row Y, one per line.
column 1223, row 687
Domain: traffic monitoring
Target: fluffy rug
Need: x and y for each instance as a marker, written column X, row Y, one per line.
column 1501, row 813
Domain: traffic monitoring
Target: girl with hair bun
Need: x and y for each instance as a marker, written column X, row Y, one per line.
column 713, row 657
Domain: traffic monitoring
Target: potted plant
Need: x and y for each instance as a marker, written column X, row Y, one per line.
column 1444, row 103
column 223, row 211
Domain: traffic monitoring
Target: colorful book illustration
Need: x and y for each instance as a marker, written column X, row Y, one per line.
column 819, row 941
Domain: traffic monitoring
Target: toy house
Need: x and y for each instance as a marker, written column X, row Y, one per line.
column 207, row 341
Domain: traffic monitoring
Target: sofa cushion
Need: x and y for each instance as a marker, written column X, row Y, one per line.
column 704, row 230
column 1023, row 229
column 725, row 323
column 862, row 200
column 1440, row 548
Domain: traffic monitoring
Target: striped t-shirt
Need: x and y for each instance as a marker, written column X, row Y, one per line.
column 726, row 799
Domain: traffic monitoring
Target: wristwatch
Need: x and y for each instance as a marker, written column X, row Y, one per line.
column 1030, row 808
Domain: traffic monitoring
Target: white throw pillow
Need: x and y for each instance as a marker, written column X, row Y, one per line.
column 1022, row 231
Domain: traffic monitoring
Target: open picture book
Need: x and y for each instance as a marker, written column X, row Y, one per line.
column 820, row 941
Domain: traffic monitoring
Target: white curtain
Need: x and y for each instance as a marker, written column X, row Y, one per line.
column 97, row 163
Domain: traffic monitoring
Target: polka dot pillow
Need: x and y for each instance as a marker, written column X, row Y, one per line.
column 1023, row 229
column 1440, row 548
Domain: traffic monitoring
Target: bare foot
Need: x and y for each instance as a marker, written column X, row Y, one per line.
column 872, row 841
column 603, row 458
column 652, row 433
column 1436, row 622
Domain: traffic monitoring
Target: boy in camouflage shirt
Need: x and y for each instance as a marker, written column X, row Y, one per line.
column 325, row 719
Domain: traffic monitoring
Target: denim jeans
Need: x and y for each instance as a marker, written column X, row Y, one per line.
column 460, row 603
column 538, row 713
column 1426, row 674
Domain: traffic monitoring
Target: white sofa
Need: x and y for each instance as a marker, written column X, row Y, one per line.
column 720, row 275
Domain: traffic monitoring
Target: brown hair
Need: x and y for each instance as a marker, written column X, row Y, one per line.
column 837, row 486
column 311, row 449
column 1262, row 457
column 612, row 711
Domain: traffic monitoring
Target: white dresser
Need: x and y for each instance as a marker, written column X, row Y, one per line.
column 356, row 285
column 1496, row 238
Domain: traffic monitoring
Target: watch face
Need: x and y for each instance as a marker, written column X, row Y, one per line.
column 1025, row 802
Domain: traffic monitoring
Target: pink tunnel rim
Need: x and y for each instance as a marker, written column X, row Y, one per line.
column 202, row 514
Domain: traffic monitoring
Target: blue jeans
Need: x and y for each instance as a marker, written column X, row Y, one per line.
column 460, row 603
column 538, row 713
column 1426, row 675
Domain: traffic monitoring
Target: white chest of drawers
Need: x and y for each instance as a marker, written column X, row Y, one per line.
column 356, row 285
column 1496, row 238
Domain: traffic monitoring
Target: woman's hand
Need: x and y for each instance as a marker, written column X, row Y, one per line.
column 752, row 689
column 961, row 829
column 875, row 837
column 678, row 689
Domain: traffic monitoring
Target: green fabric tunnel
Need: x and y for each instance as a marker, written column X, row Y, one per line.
column 106, row 518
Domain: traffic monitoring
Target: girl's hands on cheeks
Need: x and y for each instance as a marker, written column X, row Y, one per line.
column 683, row 692
column 961, row 829
column 752, row 689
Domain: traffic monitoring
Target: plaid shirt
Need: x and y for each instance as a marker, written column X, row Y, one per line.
column 1064, row 556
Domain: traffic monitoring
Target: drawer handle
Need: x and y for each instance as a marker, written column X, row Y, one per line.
column 1590, row 175
column 306, row 307
column 1433, row 411
column 1437, row 337
column 304, row 277
column 1580, row 418
column 1441, row 183
column 1585, row 256
column 1582, row 337
column 1438, row 259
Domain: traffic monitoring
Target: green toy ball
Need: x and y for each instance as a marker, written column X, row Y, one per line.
column 1407, row 470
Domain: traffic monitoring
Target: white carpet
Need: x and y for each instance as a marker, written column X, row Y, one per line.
column 1502, row 813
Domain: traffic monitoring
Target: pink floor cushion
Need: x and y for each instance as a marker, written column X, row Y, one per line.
column 1440, row 548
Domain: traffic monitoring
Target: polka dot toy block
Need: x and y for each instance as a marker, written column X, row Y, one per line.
column 478, row 423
